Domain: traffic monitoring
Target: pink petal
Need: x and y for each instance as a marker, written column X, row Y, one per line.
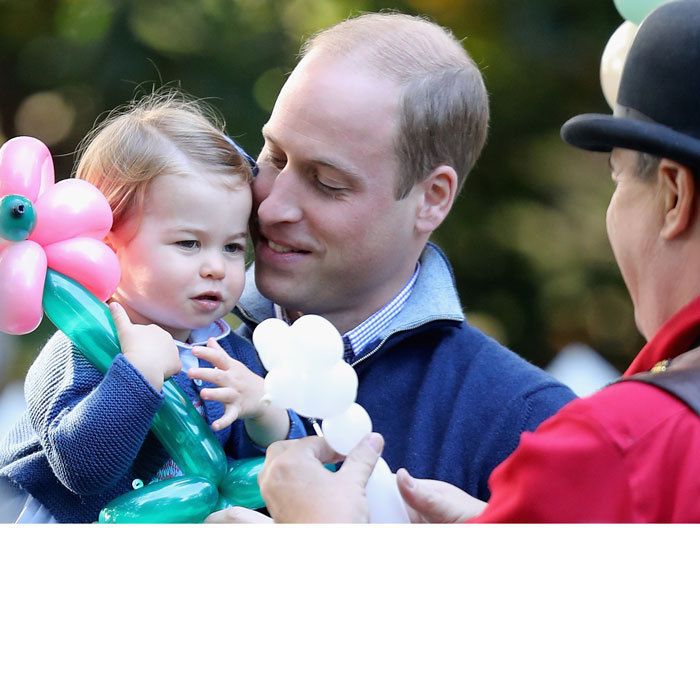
column 69, row 209
column 26, row 167
column 22, row 275
column 89, row 262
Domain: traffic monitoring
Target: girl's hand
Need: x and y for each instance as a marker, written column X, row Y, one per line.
column 148, row 348
column 240, row 390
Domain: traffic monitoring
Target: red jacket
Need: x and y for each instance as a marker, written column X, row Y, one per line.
column 629, row 453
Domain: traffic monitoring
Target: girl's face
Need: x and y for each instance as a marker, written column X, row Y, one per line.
column 183, row 257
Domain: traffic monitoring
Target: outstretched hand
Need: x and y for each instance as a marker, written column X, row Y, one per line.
column 150, row 349
column 432, row 501
column 239, row 389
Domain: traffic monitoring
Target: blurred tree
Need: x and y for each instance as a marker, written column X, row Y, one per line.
column 527, row 236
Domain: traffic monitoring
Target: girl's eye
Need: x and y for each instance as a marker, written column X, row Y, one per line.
column 234, row 248
column 189, row 244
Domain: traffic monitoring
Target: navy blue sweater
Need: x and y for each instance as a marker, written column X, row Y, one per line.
column 450, row 402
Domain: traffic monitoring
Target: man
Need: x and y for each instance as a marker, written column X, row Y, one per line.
column 630, row 452
column 369, row 143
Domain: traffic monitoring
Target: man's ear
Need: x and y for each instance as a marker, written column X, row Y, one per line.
column 438, row 192
column 678, row 189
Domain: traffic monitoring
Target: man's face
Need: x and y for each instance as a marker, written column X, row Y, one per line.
column 331, row 238
column 634, row 218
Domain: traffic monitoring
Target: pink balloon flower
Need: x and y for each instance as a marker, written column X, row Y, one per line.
column 46, row 224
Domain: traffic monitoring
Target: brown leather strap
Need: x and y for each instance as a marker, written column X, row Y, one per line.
column 681, row 379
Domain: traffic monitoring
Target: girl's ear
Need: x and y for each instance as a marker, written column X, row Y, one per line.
column 438, row 192
column 109, row 241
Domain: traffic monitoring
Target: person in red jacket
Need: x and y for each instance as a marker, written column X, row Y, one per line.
column 630, row 452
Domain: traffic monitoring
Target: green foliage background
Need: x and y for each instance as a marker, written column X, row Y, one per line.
column 527, row 236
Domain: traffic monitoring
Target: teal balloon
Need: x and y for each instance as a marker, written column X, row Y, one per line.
column 184, row 499
column 17, row 217
column 209, row 481
column 240, row 485
column 636, row 10
column 180, row 429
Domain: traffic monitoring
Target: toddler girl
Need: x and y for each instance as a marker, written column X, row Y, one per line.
column 180, row 194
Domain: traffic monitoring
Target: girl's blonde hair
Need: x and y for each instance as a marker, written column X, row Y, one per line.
column 159, row 134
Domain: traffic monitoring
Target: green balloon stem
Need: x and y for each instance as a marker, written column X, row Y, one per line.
column 180, row 429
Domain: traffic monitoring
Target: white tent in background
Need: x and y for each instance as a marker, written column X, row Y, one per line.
column 582, row 369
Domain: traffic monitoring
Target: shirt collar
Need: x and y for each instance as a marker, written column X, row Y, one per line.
column 199, row 336
column 371, row 329
column 676, row 336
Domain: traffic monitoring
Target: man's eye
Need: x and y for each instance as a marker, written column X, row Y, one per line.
column 277, row 161
column 331, row 190
column 189, row 244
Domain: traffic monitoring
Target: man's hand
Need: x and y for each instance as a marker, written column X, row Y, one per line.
column 297, row 488
column 431, row 501
column 240, row 390
column 150, row 349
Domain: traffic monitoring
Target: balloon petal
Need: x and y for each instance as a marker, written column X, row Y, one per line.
column 185, row 499
column 271, row 340
column 325, row 392
column 240, row 485
column 22, row 274
column 344, row 431
column 69, row 209
column 89, row 262
column 26, row 167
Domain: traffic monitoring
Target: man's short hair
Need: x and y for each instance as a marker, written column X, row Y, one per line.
column 646, row 166
column 444, row 110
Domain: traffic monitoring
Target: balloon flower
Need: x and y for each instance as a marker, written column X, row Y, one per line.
column 306, row 373
column 53, row 260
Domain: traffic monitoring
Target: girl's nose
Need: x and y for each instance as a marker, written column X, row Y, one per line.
column 213, row 266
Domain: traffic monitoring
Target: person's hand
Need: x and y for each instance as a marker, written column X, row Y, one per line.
column 239, row 389
column 150, row 349
column 297, row 488
column 430, row 501
column 237, row 515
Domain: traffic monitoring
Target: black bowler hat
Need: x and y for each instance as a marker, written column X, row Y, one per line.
column 658, row 103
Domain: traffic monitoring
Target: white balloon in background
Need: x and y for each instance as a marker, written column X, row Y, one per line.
column 344, row 431
column 315, row 342
column 613, row 60
column 272, row 340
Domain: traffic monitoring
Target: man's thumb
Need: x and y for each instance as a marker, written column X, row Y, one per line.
column 359, row 464
column 419, row 496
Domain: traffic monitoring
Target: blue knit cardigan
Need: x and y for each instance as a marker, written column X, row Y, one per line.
column 85, row 436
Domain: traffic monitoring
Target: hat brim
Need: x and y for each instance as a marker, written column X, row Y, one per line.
column 603, row 132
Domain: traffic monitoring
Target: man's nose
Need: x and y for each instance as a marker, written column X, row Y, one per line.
column 278, row 194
